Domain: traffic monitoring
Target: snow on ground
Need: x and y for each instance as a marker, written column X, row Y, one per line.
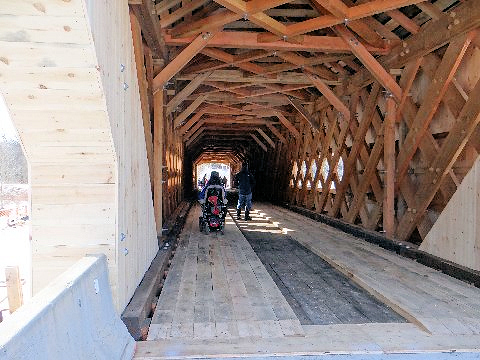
column 14, row 238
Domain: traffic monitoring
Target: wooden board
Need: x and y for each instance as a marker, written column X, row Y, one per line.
column 456, row 234
column 218, row 288
column 67, row 73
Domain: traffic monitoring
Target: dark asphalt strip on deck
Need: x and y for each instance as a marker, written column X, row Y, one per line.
column 317, row 293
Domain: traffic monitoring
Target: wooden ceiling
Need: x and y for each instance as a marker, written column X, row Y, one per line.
column 239, row 72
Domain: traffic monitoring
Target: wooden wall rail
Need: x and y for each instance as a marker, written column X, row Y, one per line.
column 370, row 181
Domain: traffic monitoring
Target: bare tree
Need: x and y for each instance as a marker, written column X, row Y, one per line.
column 13, row 164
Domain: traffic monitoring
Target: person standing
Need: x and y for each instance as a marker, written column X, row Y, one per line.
column 245, row 183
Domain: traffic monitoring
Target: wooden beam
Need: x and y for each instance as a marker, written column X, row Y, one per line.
column 377, row 6
column 266, row 137
column 145, row 13
column 274, row 89
column 254, row 6
column 165, row 5
column 236, row 76
column 352, row 13
column 453, row 145
column 409, row 74
column 194, row 137
column 288, row 125
column 375, row 68
column 277, row 133
column 149, row 74
column 249, row 40
column 181, row 60
column 230, row 59
column 257, row 140
column 240, row 7
column 329, row 94
column 389, row 164
column 436, row 91
column 142, row 86
column 344, row 126
column 158, row 128
column 433, row 35
column 366, row 179
column 304, row 113
column 14, row 288
column 185, row 9
column 215, row 21
column 431, row 10
column 188, row 134
column 189, row 110
column 186, row 91
column 404, row 21
column 358, row 141
column 193, row 120
column 304, row 63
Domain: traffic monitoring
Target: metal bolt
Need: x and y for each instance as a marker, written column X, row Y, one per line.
column 122, row 68
column 125, row 251
column 122, row 236
column 125, row 86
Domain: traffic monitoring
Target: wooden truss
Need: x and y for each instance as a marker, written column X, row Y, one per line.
column 357, row 108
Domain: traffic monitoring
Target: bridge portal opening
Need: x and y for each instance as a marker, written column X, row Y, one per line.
column 203, row 171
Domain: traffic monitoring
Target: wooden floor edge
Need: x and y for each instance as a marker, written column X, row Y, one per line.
column 404, row 249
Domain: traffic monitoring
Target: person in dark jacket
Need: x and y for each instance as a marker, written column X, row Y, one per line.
column 215, row 182
column 245, row 183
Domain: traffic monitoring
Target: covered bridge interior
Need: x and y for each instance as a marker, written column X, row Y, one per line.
column 363, row 114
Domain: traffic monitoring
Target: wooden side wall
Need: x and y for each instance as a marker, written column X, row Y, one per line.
column 136, row 235
column 456, row 234
column 424, row 180
column 77, row 111
column 49, row 78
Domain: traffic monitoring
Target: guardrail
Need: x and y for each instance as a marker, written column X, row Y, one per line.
column 72, row 318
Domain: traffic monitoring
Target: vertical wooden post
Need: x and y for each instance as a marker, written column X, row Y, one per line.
column 389, row 163
column 158, row 124
column 14, row 288
column 143, row 88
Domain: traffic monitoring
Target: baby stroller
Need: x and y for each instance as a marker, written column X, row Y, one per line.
column 214, row 210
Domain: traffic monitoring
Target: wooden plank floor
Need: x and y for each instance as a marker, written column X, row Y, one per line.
column 218, row 288
column 432, row 300
column 318, row 293
column 219, row 301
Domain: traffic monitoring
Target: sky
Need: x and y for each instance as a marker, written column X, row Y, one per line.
column 6, row 126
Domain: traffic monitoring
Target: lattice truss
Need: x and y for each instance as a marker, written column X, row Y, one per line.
column 373, row 103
